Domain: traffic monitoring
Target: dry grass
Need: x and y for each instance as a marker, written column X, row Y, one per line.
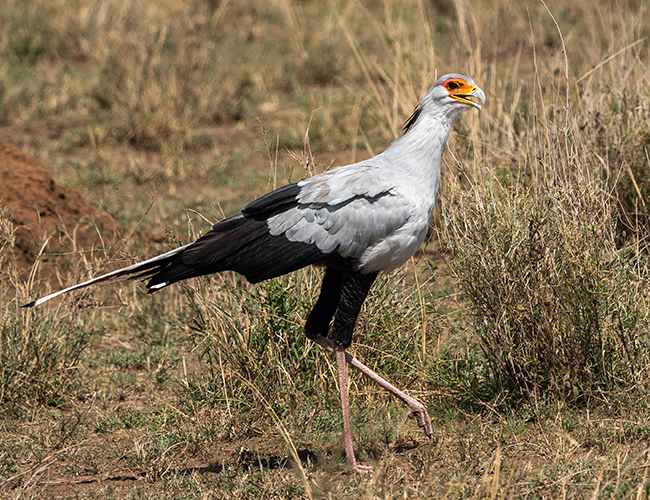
column 522, row 326
column 553, row 262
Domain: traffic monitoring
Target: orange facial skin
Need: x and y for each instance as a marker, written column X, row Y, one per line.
column 462, row 91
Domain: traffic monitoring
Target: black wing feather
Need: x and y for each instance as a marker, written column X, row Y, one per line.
column 242, row 243
column 273, row 200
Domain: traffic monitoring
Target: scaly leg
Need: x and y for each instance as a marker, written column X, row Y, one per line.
column 343, row 291
column 342, row 375
column 417, row 409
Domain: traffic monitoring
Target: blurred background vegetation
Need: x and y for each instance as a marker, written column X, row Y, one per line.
column 522, row 324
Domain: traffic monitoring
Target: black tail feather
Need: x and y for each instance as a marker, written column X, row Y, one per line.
column 241, row 243
column 246, row 247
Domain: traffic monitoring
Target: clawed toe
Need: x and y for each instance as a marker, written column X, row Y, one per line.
column 362, row 469
column 423, row 419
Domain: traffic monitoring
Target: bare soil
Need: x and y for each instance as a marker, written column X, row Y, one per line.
column 47, row 214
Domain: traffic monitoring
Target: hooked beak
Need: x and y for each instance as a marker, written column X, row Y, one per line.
column 475, row 97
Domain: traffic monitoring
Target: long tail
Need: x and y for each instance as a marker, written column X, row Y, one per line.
column 241, row 243
column 143, row 268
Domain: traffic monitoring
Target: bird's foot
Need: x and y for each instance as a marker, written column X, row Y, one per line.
column 357, row 467
column 419, row 412
column 362, row 469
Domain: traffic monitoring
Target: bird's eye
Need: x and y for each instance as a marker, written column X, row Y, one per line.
column 452, row 85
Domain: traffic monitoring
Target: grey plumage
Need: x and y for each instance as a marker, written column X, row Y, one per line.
column 357, row 220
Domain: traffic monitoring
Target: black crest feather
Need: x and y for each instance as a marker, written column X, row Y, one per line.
column 413, row 118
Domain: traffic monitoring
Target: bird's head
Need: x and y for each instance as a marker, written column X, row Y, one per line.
column 450, row 95
column 458, row 89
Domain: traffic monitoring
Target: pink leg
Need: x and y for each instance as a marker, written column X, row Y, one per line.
column 417, row 409
column 342, row 374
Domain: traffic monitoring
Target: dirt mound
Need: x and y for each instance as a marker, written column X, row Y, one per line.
column 42, row 210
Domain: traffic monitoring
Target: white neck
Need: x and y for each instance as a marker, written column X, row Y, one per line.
column 417, row 154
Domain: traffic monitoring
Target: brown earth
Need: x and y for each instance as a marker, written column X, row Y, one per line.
column 46, row 215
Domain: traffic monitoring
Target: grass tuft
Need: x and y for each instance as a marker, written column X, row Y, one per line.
column 557, row 306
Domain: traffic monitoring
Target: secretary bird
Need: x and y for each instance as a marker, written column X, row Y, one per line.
column 356, row 221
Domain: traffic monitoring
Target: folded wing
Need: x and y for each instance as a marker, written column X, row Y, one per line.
column 332, row 216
